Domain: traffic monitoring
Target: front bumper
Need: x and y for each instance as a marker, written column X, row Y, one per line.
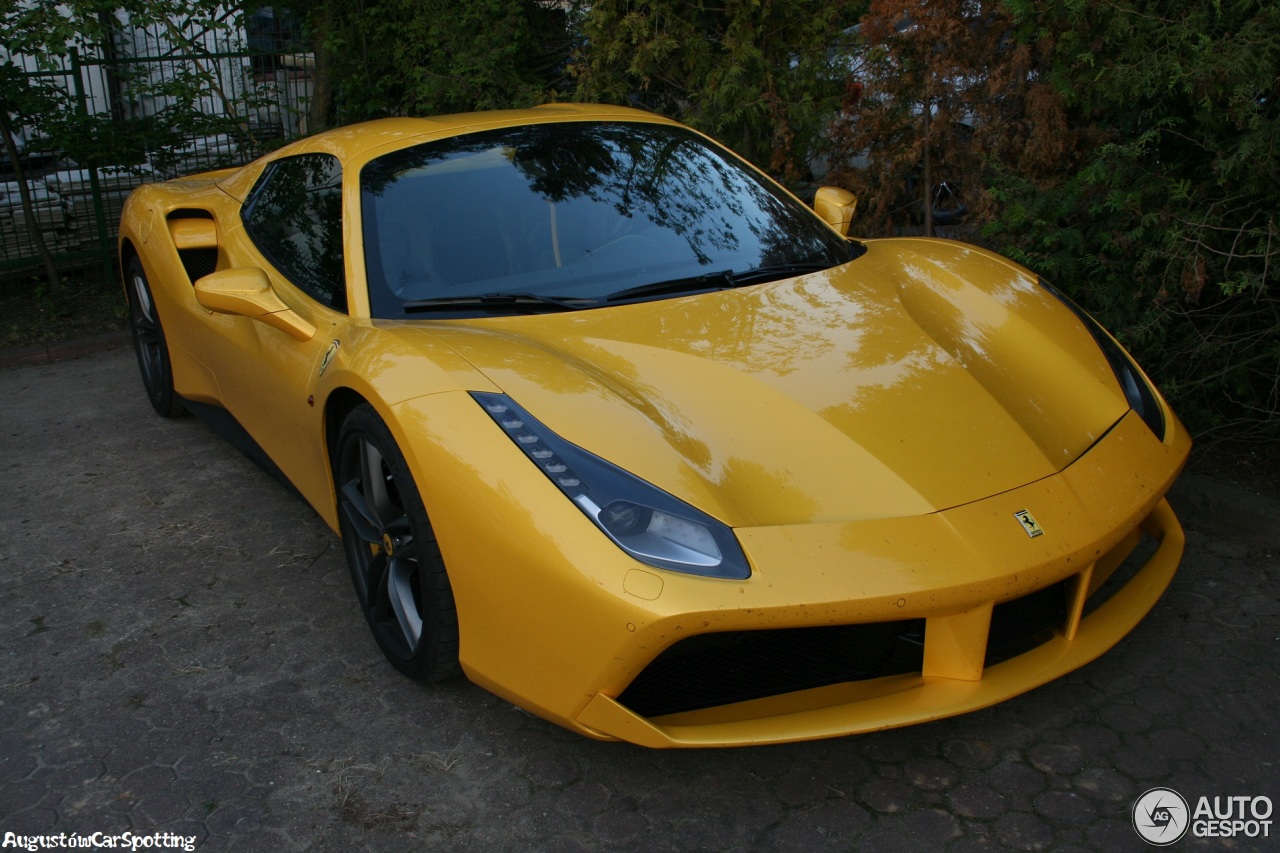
column 952, row 679
column 556, row 619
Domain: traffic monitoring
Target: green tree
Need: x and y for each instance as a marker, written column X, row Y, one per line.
column 763, row 76
column 1165, row 220
column 45, row 107
column 410, row 57
column 19, row 100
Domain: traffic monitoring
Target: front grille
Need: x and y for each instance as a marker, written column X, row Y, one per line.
column 1020, row 625
column 709, row 670
column 1125, row 572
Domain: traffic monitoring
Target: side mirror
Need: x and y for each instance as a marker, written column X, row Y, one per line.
column 246, row 292
column 836, row 207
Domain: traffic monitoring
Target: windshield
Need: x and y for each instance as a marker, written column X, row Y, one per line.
column 569, row 214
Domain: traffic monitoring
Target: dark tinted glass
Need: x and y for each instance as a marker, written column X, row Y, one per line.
column 575, row 210
column 295, row 218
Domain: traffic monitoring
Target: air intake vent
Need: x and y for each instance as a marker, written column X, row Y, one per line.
column 719, row 669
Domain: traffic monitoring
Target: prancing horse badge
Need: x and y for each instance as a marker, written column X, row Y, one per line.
column 1029, row 523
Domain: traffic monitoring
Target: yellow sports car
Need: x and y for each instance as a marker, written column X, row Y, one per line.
column 616, row 427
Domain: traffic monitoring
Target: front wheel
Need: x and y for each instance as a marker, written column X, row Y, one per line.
column 395, row 563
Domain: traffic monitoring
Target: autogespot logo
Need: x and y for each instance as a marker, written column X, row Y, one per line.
column 1161, row 816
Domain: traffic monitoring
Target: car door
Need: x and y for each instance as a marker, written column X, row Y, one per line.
column 291, row 226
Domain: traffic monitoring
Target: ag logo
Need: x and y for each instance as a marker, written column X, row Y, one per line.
column 1029, row 523
column 1161, row 816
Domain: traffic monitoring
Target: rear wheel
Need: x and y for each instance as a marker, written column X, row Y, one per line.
column 395, row 563
column 149, row 343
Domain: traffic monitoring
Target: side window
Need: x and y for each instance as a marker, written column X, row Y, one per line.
column 294, row 217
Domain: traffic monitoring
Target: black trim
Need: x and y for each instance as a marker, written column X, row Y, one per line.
column 709, row 670
column 226, row 426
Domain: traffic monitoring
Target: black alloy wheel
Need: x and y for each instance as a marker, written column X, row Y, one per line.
column 149, row 343
column 395, row 563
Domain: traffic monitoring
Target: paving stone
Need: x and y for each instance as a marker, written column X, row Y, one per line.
column 30, row 820
column 1055, row 759
column 931, row 828
column 75, row 774
column 619, row 827
column 1160, row 700
column 21, row 795
column 1141, row 763
column 1229, row 550
column 1114, row 834
column 889, row 839
column 1016, row 783
column 891, row 747
column 553, row 770
column 1175, row 744
column 16, row 762
column 585, row 798
column 971, row 753
column 1103, row 783
column 1022, row 831
column 160, row 809
column 712, row 832
column 1065, row 807
column 931, row 774
column 829, row 826
column 1111, row 679
column 1130, row 719
column 976, row 801
column 887, row 795
column 1090, row 739
column 974, row 842
column 800, row 787
column 1211, row 718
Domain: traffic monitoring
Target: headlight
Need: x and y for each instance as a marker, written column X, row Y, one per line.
column 1139, row 393
column 651, row 525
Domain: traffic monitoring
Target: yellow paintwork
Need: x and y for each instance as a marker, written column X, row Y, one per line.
column 247, row 292
column 869, row 431
column 193, row 233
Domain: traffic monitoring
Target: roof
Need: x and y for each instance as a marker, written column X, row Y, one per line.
column 360, row 141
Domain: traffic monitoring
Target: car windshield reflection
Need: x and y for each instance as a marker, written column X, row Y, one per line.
column 572, row 211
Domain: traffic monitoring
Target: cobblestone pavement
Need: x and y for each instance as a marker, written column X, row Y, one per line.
column 180, row 652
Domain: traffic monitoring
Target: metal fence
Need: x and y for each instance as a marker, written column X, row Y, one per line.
column 244, row 73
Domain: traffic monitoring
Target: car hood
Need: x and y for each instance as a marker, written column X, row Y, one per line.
column 922, row 376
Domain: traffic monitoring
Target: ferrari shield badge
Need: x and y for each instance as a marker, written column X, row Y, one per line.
column 328, row 357
column 1029, row 523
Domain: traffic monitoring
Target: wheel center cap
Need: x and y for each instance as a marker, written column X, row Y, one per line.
column 388, row 544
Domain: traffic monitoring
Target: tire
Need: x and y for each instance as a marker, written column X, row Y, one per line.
column 149, row 343
column 395, row 562
column 947, row 201
column 948, row 204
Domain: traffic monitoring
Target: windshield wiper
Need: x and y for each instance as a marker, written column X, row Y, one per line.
column 490, row 301
column 777, row 271
column 722, row 280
